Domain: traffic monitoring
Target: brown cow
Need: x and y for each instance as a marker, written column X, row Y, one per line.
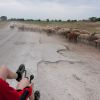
column 73, row 36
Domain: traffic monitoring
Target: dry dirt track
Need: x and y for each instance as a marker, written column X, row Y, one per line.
column 63, row 71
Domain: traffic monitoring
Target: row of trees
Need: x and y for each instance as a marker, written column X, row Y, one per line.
column 91, row 19
column 94, row 19
column 3, row 18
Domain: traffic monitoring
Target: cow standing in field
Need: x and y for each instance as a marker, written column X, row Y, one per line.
column 73, row 36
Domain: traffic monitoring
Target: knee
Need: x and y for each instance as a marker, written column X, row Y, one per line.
column 3, row 72
column 4, row 69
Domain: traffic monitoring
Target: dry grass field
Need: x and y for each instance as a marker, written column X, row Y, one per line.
column 89, row 26
column 3, row 24
column 86, row 32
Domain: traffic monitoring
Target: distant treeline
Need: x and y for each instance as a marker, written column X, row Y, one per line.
column 91, row 19
column 3, row 18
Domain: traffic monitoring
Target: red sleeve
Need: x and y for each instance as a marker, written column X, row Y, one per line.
column 7, row 92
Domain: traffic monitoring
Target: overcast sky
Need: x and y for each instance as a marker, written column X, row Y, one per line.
column 52, row 9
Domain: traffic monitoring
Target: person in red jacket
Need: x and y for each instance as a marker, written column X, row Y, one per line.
column 9, row 93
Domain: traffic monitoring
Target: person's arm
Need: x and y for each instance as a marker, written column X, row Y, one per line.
column 31, row 97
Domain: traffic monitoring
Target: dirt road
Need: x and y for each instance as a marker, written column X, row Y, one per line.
column 63, row 71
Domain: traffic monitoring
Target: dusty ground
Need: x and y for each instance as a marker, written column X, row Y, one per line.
column 63, row 71
column 3, row 24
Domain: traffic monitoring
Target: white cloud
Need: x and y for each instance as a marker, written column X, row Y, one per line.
column 60, row 9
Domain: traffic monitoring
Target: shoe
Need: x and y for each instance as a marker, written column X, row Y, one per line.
column 37, row 95
column 20, row 72
column 31, row 78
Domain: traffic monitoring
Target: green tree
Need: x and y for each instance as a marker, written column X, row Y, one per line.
column 47, row 20
column 93, row 19
column 3, row 18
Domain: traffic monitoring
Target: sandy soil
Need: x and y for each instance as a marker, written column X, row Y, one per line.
column 63, row 70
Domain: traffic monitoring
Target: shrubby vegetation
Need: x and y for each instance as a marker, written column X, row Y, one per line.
column 91, row 19
column 3, row 18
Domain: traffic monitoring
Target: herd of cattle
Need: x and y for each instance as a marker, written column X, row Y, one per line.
column 72, row 34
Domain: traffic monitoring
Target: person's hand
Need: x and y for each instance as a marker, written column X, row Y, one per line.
column 32, row 85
